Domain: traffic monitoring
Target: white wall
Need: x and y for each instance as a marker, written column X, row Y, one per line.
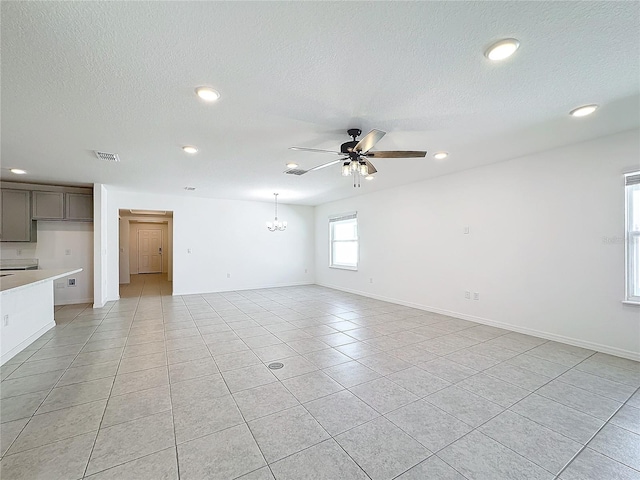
column 100, row 248
column 54, row 239
column 225, row 236
column 536, row 252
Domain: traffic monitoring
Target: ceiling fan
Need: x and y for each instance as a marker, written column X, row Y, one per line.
column 356, row 154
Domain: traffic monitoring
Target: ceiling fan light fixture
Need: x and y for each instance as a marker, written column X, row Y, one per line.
column 502, row 49
column 583, row 111
column 356, row 156
column 190, row 149
column 207, row 94
column 292, row 165
column 440, row 155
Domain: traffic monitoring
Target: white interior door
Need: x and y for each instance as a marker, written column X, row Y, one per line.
column 149, row 251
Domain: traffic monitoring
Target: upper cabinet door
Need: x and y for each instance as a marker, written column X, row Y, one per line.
column 48, row 205
column 79, row 206
column 16, row 216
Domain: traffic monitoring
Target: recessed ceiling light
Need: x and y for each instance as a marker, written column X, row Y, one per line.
column 440, row 155
column 502, row 49
column 583, row 111
column 190, row 149
column 18, row 171
column 207, row 94
column 292, row 165
column 369, row 177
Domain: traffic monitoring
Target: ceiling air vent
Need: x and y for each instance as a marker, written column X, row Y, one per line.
column 296, row 171
column 109, row 157
column 190, row 189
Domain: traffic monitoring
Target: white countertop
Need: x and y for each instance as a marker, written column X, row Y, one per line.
column 18, row 279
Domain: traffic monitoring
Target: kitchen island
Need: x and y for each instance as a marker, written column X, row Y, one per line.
column 26, row 307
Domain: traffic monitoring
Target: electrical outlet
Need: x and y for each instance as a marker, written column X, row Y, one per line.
column 71, row 282
column 188, row 250
column 18, row 252
column 5, row 321
column 228, row 275
column 467, row 295
column 67, row 251
column 466, row 230
column 476, row 296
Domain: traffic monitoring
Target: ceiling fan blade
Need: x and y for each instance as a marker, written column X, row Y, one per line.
column 370, row 168
column 325, row 165
column 317, row 150
column 397, row 154
column 369, row 140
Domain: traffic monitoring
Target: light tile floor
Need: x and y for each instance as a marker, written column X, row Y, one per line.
column 160, row 387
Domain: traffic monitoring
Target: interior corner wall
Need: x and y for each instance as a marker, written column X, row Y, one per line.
column 231, row 249
column 100, row 249
column 545, row 250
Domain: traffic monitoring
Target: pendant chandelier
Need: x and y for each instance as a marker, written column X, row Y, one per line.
column 276, row 225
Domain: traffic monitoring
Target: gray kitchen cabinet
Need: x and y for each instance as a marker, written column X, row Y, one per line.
column 17, row 225
column 48, row 205
column 79, row 206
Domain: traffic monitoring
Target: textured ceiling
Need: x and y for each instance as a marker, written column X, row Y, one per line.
column 120, row 77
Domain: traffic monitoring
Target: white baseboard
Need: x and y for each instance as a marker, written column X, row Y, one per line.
column 618, row 352
column 18, row 348
column 239, row 289
column 75, row 301
column 100, row 305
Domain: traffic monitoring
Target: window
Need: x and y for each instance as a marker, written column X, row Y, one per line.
column 632, row 186
column 343, row 240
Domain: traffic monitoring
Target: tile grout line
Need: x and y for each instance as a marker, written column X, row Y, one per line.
column 95, row 440
column 173, row 417
column 594, row 435
column 48, row 392
column 299, row 404
column 239, row 411
column 500, row 443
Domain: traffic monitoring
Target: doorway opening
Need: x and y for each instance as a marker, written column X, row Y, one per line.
column 146, row 252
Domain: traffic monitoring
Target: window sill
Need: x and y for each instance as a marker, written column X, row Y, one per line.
column 339, row 267
column 631, row 302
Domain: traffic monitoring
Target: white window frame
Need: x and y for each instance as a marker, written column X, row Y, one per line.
column 632, row 232
column 332, row 221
